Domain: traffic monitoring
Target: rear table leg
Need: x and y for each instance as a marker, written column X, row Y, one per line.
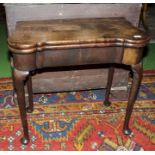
column 109, row 84
column 29, row 109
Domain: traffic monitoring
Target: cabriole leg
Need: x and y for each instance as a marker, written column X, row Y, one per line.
column 19, row 79
column 137, row 77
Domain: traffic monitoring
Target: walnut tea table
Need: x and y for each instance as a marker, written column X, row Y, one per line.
column 35, row 45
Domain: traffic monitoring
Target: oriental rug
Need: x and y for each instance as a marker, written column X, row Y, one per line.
column 78, row 121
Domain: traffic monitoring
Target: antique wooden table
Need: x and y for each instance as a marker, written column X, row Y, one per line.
column 75, row 42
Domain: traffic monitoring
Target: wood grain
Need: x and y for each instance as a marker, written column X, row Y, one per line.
column 30, row 36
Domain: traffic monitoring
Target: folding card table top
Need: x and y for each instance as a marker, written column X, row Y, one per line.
column 72, row 42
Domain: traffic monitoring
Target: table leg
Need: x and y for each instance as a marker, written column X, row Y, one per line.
column 109, row 84
column 19, row 78
column 137, row 77
column 12, row 70
column 29, row 109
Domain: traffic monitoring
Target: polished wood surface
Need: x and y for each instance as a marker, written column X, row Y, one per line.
column 59, row 34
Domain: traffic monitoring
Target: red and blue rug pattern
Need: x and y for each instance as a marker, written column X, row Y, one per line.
column 78, row 121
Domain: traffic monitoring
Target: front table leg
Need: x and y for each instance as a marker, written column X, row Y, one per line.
column 137, row 77
column 19, row 79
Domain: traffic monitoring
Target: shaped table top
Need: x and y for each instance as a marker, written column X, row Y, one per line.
column 30, row 36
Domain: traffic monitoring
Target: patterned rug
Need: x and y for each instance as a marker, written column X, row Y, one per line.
column 78, row 121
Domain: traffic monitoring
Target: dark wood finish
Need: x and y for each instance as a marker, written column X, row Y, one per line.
column 72, row 43
column 19, row 79
column 75, row 33
column 109, row 84
column 137, row 77
column 29, row 108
